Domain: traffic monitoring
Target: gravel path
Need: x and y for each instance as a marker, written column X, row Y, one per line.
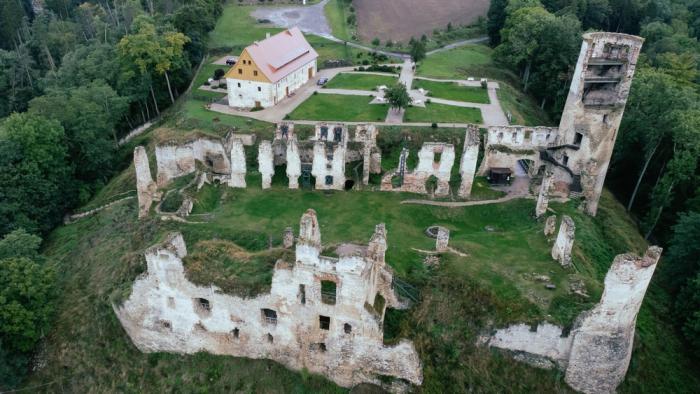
column 309, row 18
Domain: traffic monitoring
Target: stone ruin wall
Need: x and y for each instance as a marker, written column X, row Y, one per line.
column 415, row 181
column 146, row 189
column 166, row 312
column 506, row 145
column 596, row 354
column 467, row 163
column 561, row 251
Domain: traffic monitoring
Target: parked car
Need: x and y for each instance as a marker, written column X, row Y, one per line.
column 322, row 81
column 230, row 61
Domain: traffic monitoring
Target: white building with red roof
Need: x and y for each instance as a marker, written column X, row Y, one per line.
column 270, row 70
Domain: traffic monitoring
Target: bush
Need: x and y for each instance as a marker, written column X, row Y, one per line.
column 206, row 83
column 484, row 84
column 218, row 73
column 257, row 108
column 433, row 125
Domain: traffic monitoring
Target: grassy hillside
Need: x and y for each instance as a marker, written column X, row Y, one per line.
column 98, row 258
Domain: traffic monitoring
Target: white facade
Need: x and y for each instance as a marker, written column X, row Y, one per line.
column 246, row 94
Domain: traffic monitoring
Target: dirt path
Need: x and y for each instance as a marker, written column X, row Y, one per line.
column 518, row 189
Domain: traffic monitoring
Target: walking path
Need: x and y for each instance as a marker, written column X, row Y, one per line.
column 518, row 189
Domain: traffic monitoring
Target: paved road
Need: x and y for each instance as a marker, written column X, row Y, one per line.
column 309, row 18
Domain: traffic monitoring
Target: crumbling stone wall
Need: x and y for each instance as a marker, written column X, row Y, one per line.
column 442, row 240
column 238, row 166
column 602, row 345
column 561, row 251
column 293, row 163
column 415, row 181
column 506, row 145
column 329, row 166
column 596, row 353
column 302, row 328
column 550, row 225
column 543, row 197
column 174, row 160
column 265, row 163
column 146, row 189
column 467, row 164
column 366, row 134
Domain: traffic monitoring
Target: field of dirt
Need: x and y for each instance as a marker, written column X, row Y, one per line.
column 399, row 20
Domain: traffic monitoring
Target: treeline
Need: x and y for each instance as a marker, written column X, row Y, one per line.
column 654, row 170
column 75, row 76
column 86, row 73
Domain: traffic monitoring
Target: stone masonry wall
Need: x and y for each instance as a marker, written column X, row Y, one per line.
column 265, row 163
column 597, row 352
column 561, row 251
column 295, row 324
column 467, row 164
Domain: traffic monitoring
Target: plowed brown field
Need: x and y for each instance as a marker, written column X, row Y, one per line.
column 399, row 20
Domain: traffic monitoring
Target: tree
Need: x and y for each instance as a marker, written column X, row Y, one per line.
column 376, row 41
column 36, row 184
column 496, row 20
column 11, row 19
column 152, row 51
column 20, row 243
column 417, row 50
column 398, row 96
column 648, row 124
column 520, row 39
column 89, row 115
column 26, row 287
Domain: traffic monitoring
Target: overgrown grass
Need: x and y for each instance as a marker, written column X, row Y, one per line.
column 99, row 257
column 453, row 91
column 231, row 268
column 456, row 63
column 337, row 13
column 523, row 108
column 360, row 81
column 441, row 113
column 340, row 108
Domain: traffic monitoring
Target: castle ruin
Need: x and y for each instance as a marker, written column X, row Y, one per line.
column 324, row 314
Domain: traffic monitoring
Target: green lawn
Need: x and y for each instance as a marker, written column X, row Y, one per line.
column 453, row 91
column 440, row 113
column 455, row 63
column 359, row 81
column 337, row 13
column 523, row 108
column 338, row 107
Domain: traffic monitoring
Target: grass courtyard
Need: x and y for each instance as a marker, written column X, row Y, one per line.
column 453, row 91
column 343, row 108
column 360, row 81
column 441, row 113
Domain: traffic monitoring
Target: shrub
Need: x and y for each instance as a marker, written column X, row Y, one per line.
column 256, row 108
column 484, row 83
column 218, row 73
column 434, row 125
column 206, row 83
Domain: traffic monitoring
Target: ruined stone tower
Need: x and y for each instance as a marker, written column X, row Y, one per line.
column 591, row 117
column 602, row 344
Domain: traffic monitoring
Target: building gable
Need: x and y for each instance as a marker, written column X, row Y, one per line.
column 249, row 70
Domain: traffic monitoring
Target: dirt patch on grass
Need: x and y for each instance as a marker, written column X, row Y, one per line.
column 399, row 20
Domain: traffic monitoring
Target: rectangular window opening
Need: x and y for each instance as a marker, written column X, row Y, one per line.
column 269, row 316
column 302, row 294
column 577, row 139
column 324, row 322
column 328, row 287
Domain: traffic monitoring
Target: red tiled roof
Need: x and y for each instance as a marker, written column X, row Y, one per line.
column 281, row 54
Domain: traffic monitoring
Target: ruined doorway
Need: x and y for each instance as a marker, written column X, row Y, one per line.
column 311, row 72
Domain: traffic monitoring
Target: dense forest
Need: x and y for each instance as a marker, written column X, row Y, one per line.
column 75, row 77
column 654, row 170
